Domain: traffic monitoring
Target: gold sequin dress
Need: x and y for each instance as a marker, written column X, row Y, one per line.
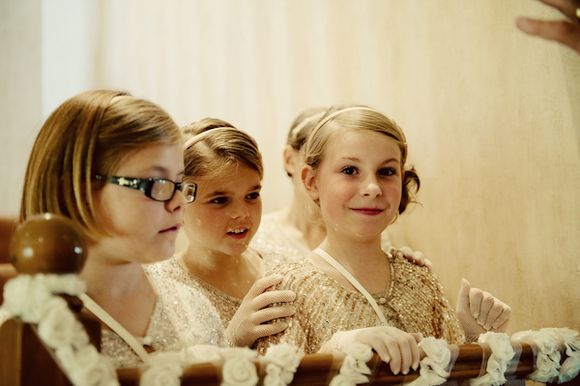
column 172, row 271
column 180, row 318
column 414, row 302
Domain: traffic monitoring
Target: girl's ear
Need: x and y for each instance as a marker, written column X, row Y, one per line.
column 308, row 176
column 290, row 156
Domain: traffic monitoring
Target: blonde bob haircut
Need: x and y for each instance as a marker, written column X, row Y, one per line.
column 214, row 144
column 338, row 119
column 90, row 133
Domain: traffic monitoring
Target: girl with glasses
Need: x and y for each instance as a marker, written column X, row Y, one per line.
column 113, row 164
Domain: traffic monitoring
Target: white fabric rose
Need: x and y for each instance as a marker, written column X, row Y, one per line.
column 434, row 364
column 92, row 369
column 571, row 366
column 58, row 324
column 355, row 370
column 239, row 371
column 201, row 354
column 359, row 351
column 162, row 374
column 284, row 355
column 501, row 353
column 342, row 380
column 548, row 358
column 282, row 361
column 25, row 297
column 69, row 284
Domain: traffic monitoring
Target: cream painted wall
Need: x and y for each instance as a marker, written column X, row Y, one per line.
column 492, row 116
column 20, row 94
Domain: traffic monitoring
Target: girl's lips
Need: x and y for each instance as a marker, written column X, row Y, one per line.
column 368, row 211
column 174, row 228
column 238, row 235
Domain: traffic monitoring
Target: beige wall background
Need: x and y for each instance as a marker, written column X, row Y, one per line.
column 492, row 116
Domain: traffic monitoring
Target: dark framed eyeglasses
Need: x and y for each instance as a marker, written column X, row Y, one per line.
column 158, row 189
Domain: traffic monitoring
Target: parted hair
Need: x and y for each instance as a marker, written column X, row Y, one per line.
column 361, row 118
column 90, row 133
column 213, row 144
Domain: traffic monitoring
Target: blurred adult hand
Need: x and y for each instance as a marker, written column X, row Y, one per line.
column 566, row 32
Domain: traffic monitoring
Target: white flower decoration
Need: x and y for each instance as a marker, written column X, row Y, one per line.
column 32, row 299
column 281, row 361
column 57, row 326
column 162, row 374
column 548, row 358
column 571, row 366
column 239, row 371
column 501, row 353
column 354, row 369
column 434, row 364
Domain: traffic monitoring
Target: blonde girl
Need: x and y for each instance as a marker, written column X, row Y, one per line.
column 113, row 164
column 349, row 289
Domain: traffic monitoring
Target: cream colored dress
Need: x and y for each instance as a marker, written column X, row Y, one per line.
column 172, row 271
column 414, row 302
column 181, row 318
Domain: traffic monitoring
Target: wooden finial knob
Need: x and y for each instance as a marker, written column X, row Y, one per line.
column 48, row 243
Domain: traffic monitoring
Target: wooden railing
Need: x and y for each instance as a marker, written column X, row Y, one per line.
column 25, row 360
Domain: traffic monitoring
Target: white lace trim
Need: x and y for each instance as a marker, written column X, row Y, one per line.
column 501, row 353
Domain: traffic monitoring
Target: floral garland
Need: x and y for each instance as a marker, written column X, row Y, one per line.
column 281, row 362
column 433, row 366
column 548, row 341
column 60, row 330
column 501, row 353
column 58, row 327
column 354, row 369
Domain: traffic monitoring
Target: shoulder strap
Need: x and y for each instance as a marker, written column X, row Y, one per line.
column 104, row 316
column 355, row 283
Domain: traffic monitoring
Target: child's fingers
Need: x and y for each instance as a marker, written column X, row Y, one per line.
column 265, row 299
column 487, row 303
column 268, row 314
column 500, row 323
column 262, row 284
column 264, row 330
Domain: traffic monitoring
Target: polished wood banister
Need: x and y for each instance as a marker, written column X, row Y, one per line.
column 319, row 369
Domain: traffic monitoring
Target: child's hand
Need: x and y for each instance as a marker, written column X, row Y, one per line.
column 478, row 311
column 250, row 322
column 416, row 257
column 394, row 346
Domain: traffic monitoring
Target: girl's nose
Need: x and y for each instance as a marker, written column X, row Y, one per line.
column 370, row 187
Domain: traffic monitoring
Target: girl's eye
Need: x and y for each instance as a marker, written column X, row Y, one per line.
column 387, row 171
column 349, row 170
column 253, row 196
column 219, row 200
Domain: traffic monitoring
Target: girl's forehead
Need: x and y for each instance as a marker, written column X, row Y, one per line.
column 361, row 142
column 229, row 177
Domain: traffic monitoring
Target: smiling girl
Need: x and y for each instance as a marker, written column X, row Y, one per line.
column 349, row 289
